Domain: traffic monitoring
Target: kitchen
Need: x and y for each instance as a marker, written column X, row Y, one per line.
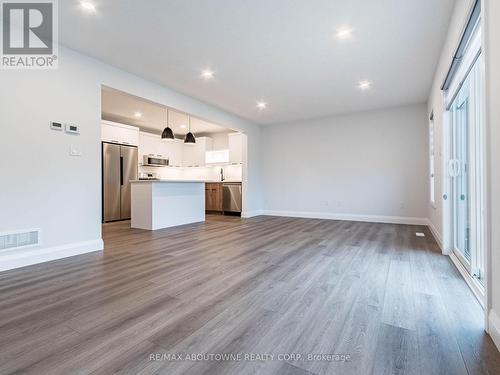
column 162, row 167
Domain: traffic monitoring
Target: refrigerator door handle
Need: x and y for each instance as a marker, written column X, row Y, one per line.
column 121, row 170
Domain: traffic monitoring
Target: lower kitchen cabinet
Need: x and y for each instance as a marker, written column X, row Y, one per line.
column 213, row 197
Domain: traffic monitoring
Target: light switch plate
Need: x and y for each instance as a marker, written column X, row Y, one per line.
column 75, row 151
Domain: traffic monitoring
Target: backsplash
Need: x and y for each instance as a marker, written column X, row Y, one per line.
column 231, row 172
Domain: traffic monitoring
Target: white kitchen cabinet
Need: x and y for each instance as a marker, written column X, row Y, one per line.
column 152, row 144
column 194, row 154
column 188, row 154
column 175, row 152
column 119, row 133
column 235, row 141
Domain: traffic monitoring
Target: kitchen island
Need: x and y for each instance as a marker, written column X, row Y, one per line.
column 157, row 204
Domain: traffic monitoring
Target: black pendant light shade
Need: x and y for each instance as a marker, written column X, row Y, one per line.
column 190, row 136
column 167, row 134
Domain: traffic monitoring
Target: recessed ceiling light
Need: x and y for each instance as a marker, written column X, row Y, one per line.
column 261, row 105
column 88, row 6
column 183, row 126
column 344, row 33
column 365, row 85
column 138, row 114
column 207, row 74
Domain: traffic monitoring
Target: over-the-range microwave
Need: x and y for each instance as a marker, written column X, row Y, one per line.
column 154, row 161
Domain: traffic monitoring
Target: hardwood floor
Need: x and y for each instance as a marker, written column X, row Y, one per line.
column 376, row 293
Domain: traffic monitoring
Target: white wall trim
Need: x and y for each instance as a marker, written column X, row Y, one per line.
column 248, row 214
column 494, row 328
column 25, row 257
column 435, row 233
column 350, row 217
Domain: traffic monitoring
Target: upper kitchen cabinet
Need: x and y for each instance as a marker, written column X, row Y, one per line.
column 175, row 152
column 152, row 144
column 235, row 141
column 194, row 154
column 119, row 133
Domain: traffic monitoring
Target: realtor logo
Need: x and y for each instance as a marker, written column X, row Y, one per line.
column 29, row 34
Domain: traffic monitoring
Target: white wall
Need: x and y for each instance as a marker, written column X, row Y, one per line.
column 42, row 186
column 370, row 165
column 492, row 52
column 436, row 104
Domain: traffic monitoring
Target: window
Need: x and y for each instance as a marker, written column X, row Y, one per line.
column 432, row 163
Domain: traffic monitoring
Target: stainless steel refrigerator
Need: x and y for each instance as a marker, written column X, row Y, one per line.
column 119, row 166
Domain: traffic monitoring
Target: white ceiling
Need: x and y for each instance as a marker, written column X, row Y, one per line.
column 282, row 51
column 121, row 107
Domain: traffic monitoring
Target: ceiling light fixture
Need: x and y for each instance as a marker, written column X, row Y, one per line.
column 88, row 6
column 344, row 33
column 183, row 126
column 365, row 85
column 167, row 134
column 261, row 105
column 138, row 114
column 190, row 140
column 207, row 74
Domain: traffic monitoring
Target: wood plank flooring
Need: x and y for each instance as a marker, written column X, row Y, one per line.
column 375, row 296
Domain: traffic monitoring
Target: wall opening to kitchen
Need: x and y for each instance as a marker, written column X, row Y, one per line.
column 133, row 149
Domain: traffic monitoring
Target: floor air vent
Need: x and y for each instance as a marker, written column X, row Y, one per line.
column 16, row 240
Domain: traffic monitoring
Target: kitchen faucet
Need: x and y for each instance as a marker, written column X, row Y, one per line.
column 222, row 174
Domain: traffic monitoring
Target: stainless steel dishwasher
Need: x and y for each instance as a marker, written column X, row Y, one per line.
column 231, row 197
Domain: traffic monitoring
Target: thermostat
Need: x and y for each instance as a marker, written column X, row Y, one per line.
column 56, row 125
column 70, row 128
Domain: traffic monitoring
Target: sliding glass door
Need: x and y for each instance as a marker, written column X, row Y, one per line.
column 459, row 166
column 466, row 169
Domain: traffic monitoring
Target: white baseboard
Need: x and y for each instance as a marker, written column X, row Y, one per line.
column 494, row 328
column 349, row 217
column 24, row 257
column 436, row 234
column 248, row 214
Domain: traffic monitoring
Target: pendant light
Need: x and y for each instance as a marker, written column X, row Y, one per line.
column 167, row 134
column 190, row 136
